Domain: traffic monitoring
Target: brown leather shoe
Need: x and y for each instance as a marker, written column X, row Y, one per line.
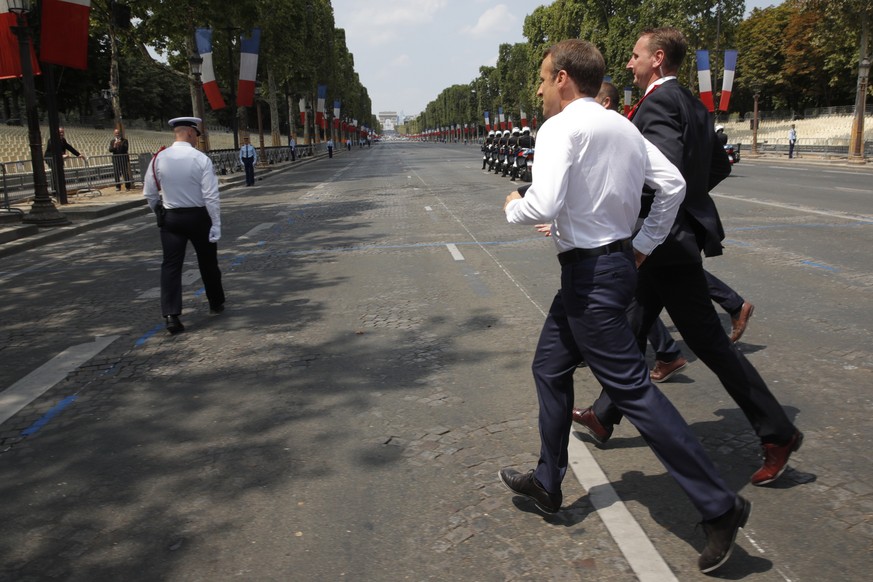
column 592, row 425
column 738, row 324
column 776, row 460
column 663, row 371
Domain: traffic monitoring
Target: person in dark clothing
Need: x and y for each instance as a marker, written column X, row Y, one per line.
column 118, row 147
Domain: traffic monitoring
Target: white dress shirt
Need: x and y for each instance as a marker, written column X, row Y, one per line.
column 187, row 179
column 590, row 167
column 248, row 151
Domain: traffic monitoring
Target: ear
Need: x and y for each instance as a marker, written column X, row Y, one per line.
column 658, row 58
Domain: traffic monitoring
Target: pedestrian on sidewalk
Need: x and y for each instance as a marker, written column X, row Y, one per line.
column 248, row 157
column 330, row 148
column 118, row 147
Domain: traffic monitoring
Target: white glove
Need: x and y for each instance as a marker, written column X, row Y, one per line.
column 214, row 233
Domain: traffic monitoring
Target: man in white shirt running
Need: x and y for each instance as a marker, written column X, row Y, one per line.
column 591, row 168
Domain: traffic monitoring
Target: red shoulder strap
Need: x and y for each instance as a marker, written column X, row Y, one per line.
column 154, row 161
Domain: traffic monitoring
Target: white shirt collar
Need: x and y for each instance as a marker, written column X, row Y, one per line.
column 657, row 82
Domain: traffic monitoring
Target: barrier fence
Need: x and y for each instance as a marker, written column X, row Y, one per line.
column 86, row 177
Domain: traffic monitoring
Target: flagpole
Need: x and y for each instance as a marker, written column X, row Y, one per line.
column 234, row 121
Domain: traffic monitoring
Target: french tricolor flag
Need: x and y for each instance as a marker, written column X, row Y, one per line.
column 10, row 61
column 487, row 122
column 501, row 118
column 628, row 96
column 704, row 78
column 336, row 112
column 301, row 105
column 523, row 118
column 210, row 85
column 65, row 33
column 319, row 111
column 248, row 68
column 730, row 67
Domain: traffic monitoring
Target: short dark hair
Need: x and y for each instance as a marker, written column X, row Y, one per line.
column 671, row 41
column 607, row 89
column 581, row 60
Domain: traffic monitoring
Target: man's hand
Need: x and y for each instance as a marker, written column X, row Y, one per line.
column 214, row 233
column 640, row 257
column 546, row 229
column 514, row 196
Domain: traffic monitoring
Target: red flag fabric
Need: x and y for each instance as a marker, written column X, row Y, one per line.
column 64, row 33
column 10, row 61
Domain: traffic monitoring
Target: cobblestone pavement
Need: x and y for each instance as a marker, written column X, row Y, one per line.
column 345, row 418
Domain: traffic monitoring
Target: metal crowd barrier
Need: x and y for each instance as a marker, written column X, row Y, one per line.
column 85, row 177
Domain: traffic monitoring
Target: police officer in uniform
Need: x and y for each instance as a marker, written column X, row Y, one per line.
column 186, row 178
column 248, row 157
column 525, row 141
column 511, row 150
column 486, row 147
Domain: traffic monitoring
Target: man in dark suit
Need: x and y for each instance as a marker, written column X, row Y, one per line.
column 679, row 125
column 118, row 147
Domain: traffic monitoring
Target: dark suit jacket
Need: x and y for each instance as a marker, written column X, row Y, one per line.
column 679, row 125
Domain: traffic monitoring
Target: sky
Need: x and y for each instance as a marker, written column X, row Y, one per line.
column 407, row 51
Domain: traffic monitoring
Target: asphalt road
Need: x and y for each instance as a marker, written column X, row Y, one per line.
column 345, row 418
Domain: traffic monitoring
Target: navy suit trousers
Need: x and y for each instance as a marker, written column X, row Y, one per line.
column 588, row 320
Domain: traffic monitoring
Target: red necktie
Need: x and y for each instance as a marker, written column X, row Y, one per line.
column 633, row 110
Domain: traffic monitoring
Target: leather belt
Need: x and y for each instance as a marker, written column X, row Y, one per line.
column 576, row 255
column 186, row 209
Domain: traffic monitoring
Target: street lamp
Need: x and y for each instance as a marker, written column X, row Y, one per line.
column 43, row 211
column 755, row 125
column 196, row 64
column 856, row 154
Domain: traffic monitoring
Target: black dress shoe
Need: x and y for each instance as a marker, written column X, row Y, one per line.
column 527, row 485
column 721, row 533
column 217, row 309
column 174, row 325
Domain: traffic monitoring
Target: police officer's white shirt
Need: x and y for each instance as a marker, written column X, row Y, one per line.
column 248, row 151
column 591, row 164
column 187, row 179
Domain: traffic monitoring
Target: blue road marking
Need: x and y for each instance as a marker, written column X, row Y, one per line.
column 147, row 335
column 46, row 418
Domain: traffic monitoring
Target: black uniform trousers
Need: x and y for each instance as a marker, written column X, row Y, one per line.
column 683, row 291
column 249, row 165
column 588, row 319
column 183, row 225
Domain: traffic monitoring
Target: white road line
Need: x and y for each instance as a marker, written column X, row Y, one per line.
column 858, row 218
column 35, row 384
column 862, row 190
column 428, row 209
column 257, row 229
column 638, row 550
column 456, row 254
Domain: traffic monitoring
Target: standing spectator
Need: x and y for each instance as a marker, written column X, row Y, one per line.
column 62, row 148
column 248, row 157
column 792, row 139
column 330, row 148
column 186, row 178
column 118, row 147
column 292, row 145
column 593, row 166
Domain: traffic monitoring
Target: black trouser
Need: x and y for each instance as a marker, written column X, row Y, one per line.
column 682, row 290
column 249, row 165
column 121, row 169
column 182, row 225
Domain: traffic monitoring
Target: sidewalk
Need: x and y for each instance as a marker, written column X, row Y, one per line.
column 90, row 211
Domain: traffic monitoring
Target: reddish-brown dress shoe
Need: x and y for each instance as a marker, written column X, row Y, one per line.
column 663, row 371
column 592, row 425
column 776, row 460
column 739, row 323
